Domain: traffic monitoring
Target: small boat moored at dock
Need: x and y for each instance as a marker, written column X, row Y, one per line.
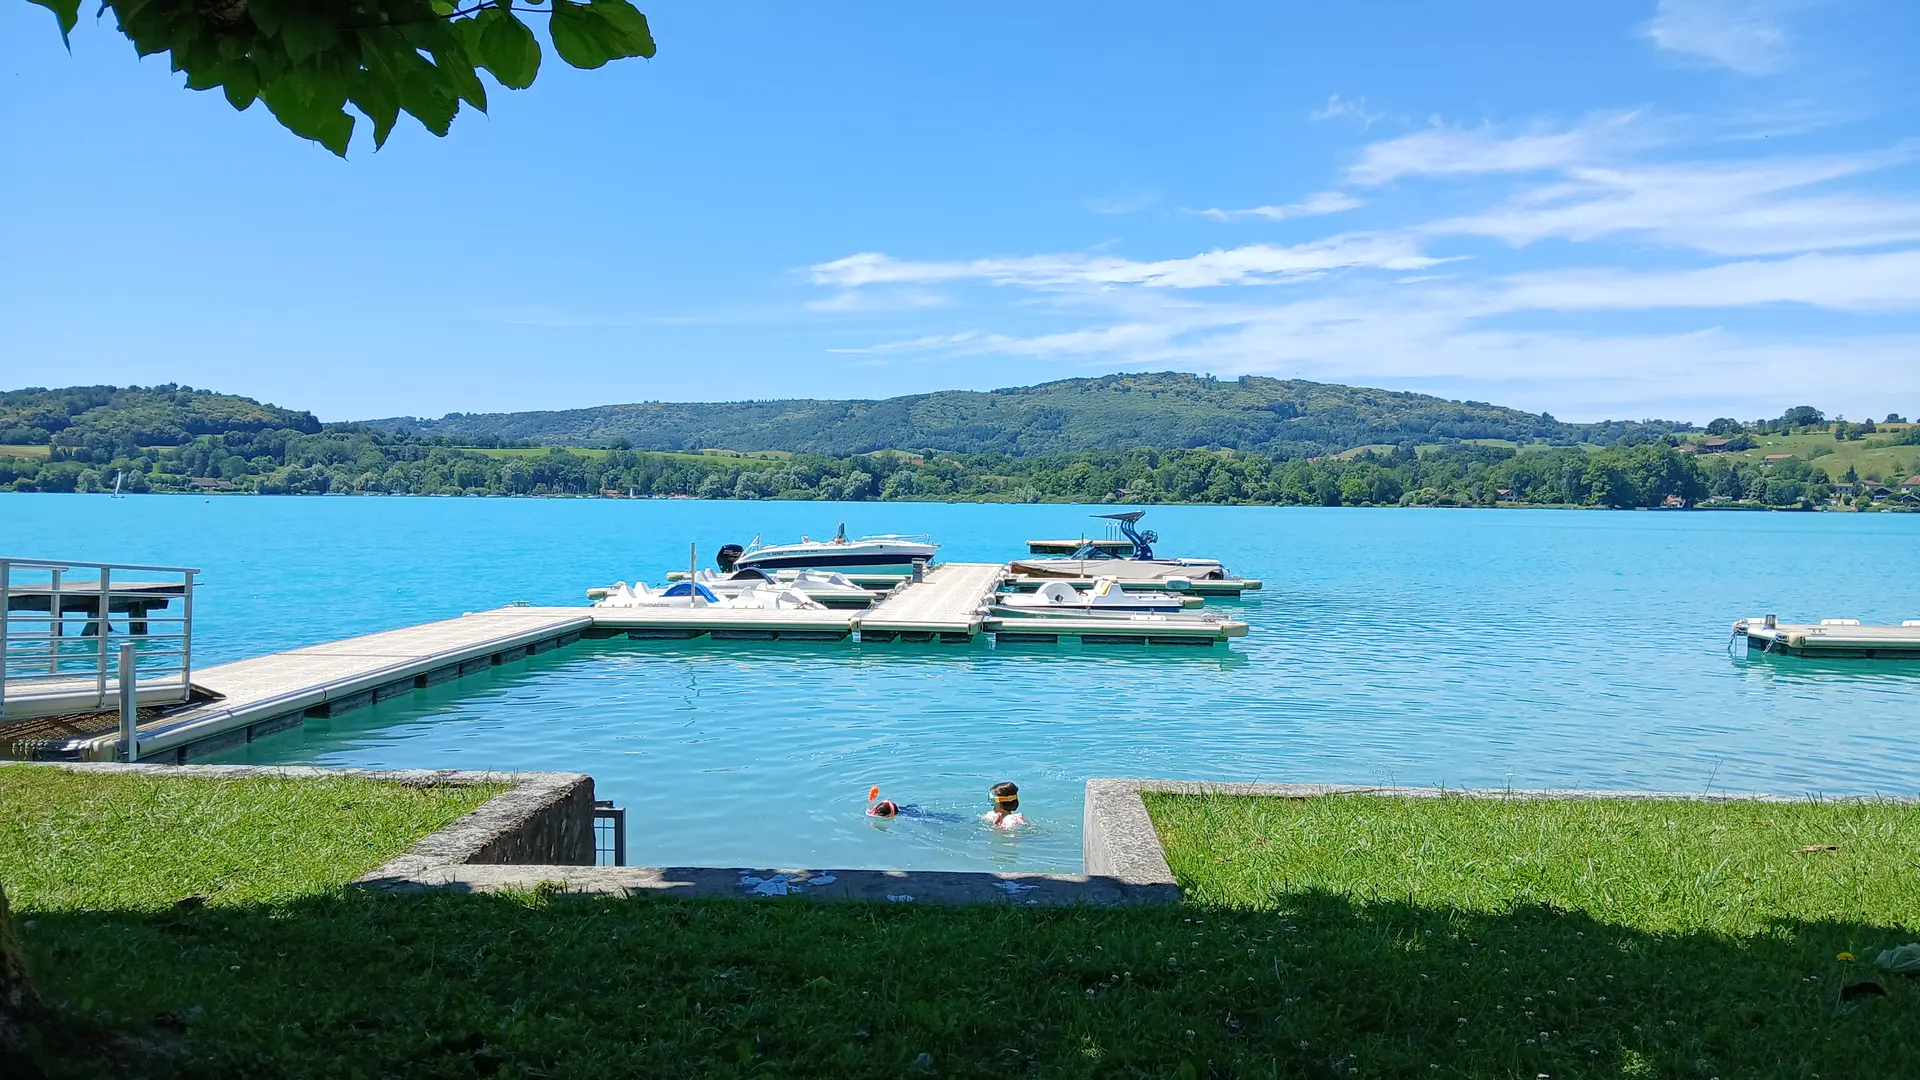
column 1092, row 560
column 884, row 554
column 1059, row 597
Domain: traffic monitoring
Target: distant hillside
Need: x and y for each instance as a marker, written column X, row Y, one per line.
column 1168, row 410
column 135, row 416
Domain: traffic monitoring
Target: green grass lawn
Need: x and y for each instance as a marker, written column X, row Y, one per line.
column 73, row 841
column 1331, row 938
column 1893, row 463
column 39, row 451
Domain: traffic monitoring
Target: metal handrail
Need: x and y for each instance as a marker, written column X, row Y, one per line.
column 46, row 670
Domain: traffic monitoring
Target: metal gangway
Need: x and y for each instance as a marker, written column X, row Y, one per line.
column 79, row 637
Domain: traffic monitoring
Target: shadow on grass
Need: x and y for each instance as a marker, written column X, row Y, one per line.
column 458, row 985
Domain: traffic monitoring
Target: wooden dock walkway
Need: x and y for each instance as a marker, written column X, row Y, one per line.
column 948, row 605
column 244, row 700
column 236, row 703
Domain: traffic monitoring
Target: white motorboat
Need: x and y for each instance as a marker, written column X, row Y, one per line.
column 886, row 554
column 692, row 594
column 832, row 589
column 1142, row 566
column 1058, row 597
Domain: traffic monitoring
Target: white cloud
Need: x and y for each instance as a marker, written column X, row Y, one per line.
column 1338, row 106
column 1451, row 151
column 1882, row 281
column 1729, row 208
column 1250, row 265
column 1320, row 202
column 1746, row 37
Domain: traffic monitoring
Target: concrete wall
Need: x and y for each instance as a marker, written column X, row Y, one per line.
column 545, row 818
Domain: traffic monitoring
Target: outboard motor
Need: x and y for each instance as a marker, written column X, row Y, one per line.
column 727, row 556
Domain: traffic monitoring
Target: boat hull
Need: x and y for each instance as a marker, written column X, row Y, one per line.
column 839, row 563
column 1129, row 571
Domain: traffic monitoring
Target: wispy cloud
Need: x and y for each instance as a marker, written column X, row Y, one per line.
column 1128, row 203
column 1338, row 106
column 1826, row 244
column 1725, row 208
column 1314, row 205
column 1453, row 151
column 1254, row 264
column 1742, row 35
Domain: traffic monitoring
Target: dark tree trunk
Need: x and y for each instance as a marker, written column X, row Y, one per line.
column 17, row 998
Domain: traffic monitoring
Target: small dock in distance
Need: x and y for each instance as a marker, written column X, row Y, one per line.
column 1839, row 639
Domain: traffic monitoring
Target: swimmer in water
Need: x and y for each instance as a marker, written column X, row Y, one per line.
column 1006, row 807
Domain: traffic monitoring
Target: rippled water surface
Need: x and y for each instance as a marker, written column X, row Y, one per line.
column 1531, row 648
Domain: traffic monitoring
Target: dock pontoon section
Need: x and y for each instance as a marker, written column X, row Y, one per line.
column 236, row 703
column 1837, row 639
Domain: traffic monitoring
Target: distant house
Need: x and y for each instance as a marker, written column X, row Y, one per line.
column 1505, row 494
column 1911, row 483
column 1714, row 446
column 1686, row 448
column 1673, row 502
column 1879, row 493
column 1774, row 459
column 1845, row 490
column 208, row 483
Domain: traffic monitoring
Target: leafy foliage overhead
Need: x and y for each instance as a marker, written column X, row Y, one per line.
column 1167, row 409
column 307, row 60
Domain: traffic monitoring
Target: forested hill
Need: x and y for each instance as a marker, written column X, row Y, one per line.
column 1168, row 410
column 107, row 418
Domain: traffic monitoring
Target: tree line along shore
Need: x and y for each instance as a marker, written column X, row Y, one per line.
column 166, row 439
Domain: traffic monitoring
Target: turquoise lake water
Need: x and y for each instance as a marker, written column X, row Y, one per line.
column 1443, row 647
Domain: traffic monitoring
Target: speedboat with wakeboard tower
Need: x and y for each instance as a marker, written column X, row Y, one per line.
column 889, row 553
column 1142, row 567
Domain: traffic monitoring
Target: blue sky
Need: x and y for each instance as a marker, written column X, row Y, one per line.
column 1676, row 208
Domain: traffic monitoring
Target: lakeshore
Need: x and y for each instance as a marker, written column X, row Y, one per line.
column 1435, row 648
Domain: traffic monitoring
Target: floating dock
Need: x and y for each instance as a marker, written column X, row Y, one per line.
column 1148, row 629
column 233, row 704
column 949, row 604
column 1835, row 638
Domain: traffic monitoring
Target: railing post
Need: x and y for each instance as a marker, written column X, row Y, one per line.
column 6, row 617
column 186, row 635
column 101, row 629
column 54, row 627
column 129, row 705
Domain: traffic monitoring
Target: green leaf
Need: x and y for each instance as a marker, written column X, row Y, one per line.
column 507, row 49
column 423, row 90
column 580, row 35
column 457, row 66
column 306, row 33
column 301, row 104
column 68, row 14
column 589, row 35
column 266, row 14
column 635, row 39
column 242, row 84
column 374, row 94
